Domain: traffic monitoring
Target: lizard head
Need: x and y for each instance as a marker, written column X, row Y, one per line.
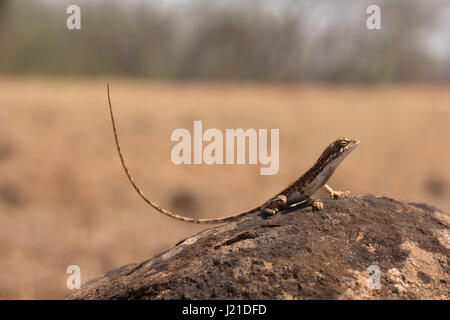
column 344, row 146
column 336, row 152
column 341, row 148
column 327, row 163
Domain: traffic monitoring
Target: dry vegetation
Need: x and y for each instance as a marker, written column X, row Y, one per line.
column 255, row 40
column 65, row 200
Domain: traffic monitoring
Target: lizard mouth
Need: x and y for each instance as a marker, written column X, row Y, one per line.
column 350, row 146
column 353, row 145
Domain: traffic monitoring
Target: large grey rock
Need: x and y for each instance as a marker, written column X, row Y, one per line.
column 299, row 254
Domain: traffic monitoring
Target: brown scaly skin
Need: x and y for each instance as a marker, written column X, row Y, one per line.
column 314, row 179
column 298, row 192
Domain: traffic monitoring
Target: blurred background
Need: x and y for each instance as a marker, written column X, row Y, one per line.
column 309, row 68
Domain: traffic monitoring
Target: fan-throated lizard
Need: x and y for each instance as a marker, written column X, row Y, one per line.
column 298, row 192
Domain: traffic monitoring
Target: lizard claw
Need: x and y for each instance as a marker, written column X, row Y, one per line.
column 317, row 205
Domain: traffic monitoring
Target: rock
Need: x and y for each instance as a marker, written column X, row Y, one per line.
column 337, row 253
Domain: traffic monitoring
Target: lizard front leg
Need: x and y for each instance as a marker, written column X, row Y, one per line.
column 336, row 194
column 275, row 205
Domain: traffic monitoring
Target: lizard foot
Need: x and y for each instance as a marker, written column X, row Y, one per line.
column 340, row 194
column 316, row 205
column 274, row 205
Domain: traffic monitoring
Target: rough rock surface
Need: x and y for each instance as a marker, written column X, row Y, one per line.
column 299, row 254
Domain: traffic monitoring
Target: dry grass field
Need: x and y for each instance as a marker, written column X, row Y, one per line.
column 64, row 198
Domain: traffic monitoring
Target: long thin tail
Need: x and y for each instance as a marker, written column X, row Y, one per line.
column 153, row 204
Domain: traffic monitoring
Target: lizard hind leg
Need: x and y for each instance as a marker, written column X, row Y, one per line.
column 336, row 194
column 275, row 205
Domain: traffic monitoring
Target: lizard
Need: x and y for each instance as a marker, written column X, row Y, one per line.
column 300, row 191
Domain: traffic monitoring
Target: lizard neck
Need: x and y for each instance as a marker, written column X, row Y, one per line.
column 316, row 177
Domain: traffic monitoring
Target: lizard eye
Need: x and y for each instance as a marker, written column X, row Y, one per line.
column 343, row 143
